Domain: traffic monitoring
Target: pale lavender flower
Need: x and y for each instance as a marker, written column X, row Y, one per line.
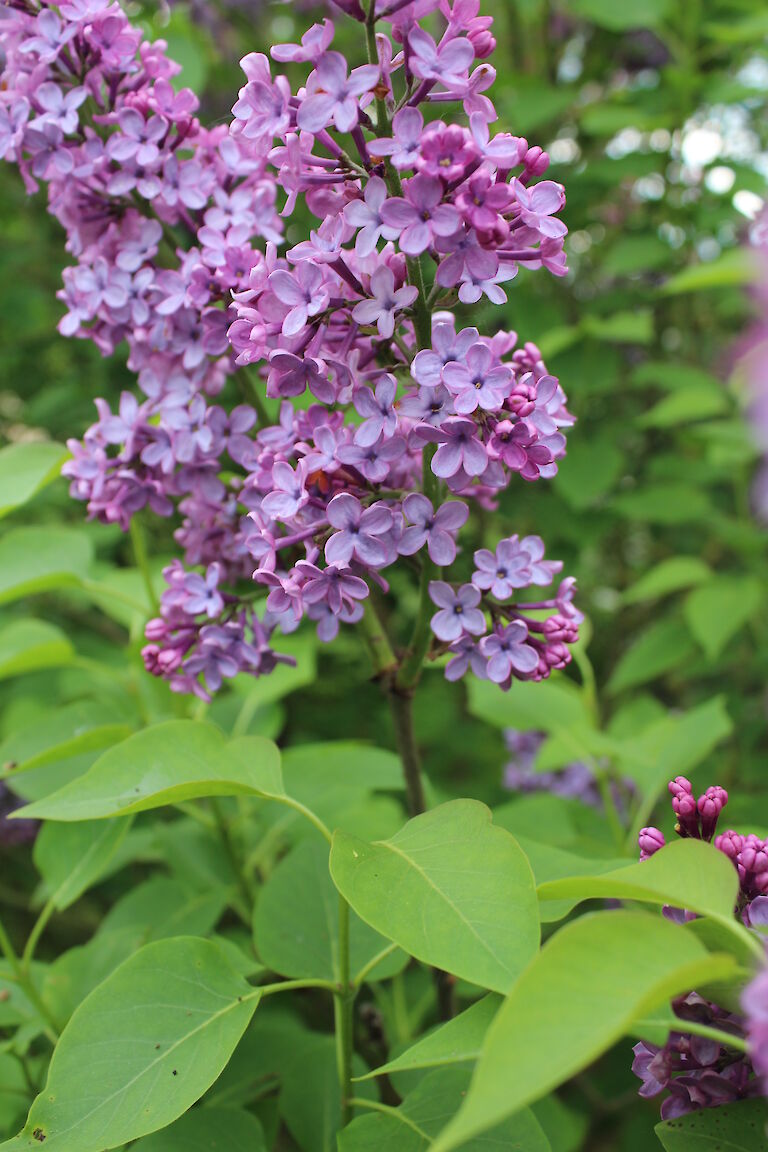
column 459, row 613
column 366, row 215
column 421, row 216
column 386, row 300
column 435, row 529
column 376, row 405
column 332, row 96
column 476, row 381
column 459, row 447
column 507, row 652
column 359, row 531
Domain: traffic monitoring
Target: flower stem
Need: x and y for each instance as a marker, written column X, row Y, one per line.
column 139, row 545
column 401, row 707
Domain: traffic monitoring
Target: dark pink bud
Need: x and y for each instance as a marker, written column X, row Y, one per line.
column 156, row 629
column 680, row 785
column 352, row 8
column 650, row 840
column 730, row 843
column 684, row 807
column 710, row 805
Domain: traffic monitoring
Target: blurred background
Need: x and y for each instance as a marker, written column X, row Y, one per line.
column 654, row 116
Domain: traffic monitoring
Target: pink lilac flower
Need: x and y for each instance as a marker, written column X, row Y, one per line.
column 421, row 216
column 475, row 382
column 359, row 531
column 334, row 96
column 754, row 1001
column 385, row 301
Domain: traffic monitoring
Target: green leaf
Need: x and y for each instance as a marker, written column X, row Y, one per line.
column 580, row 994
column 72, row 857
column 686, row 873
column 552, row 863
column 310, row 1100
column 716, row 612
column 738, row 1127
column 36, row 560
column 456, row 1042
column 25, row 469
column 141, row 1049
column 734, row 268
column 664, row 504
column 663, row 646
column 622, row 327
column 618, row 18
column 450, row 888
column 686, row 406
column 167, row 764
column 208, row 1129
column 425, row 1110
column 31, row 645
column 296, row 923
column 162, row 907
column 668, row 576
column 589, row 471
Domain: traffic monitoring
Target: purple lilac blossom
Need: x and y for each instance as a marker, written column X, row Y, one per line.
column 175, row 232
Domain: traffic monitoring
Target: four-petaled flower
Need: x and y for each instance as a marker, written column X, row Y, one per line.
column 459, row 614
column 435, row 529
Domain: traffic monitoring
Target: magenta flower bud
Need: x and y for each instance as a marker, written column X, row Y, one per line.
column 650, row 840
column 156, row 629
column 536, row 162
column 680, row 785
column 730, row 843
column 684, row 807
column 710, row 805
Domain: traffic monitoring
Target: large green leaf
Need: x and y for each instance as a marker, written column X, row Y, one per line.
column 208, row 1130
column 427, row 1109
column 450, row 888
column 310, row 1099
column 456, row 1042
column 716, row 611
column 39, row 559
column 738, row 1127
column 296, row 923
column 72, row 857
column 735, row 267
column 166, row 764
column 141, row 1049
column 686, row 873
column 25, row 469
column 580, row 994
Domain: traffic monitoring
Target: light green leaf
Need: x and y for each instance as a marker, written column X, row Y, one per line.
column 166, row 764
column 296, row 923
column 141, row 1049
column 716, row 612
column 39, row 559
column 25, row 469
column 668, row 576
column 622, row 327
column 450, row 888
column 553, row 705
column 72, row 857
column 738, row 1127
column 685, row 406
column 208, row 1130
column 734, row 268
column 30, row 645
column 580, row 994
column 552, row 863
column 666, row 503
column 662, row 647
column 162, row 907
column 425, row 1110
column 456, row 1042
column 686, row 873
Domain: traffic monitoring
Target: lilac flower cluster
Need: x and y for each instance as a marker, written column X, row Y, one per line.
column 177, row 231
column 574, row 781
column 696, row 1071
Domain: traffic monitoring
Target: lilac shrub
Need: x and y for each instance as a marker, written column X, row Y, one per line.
column 177, row 235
